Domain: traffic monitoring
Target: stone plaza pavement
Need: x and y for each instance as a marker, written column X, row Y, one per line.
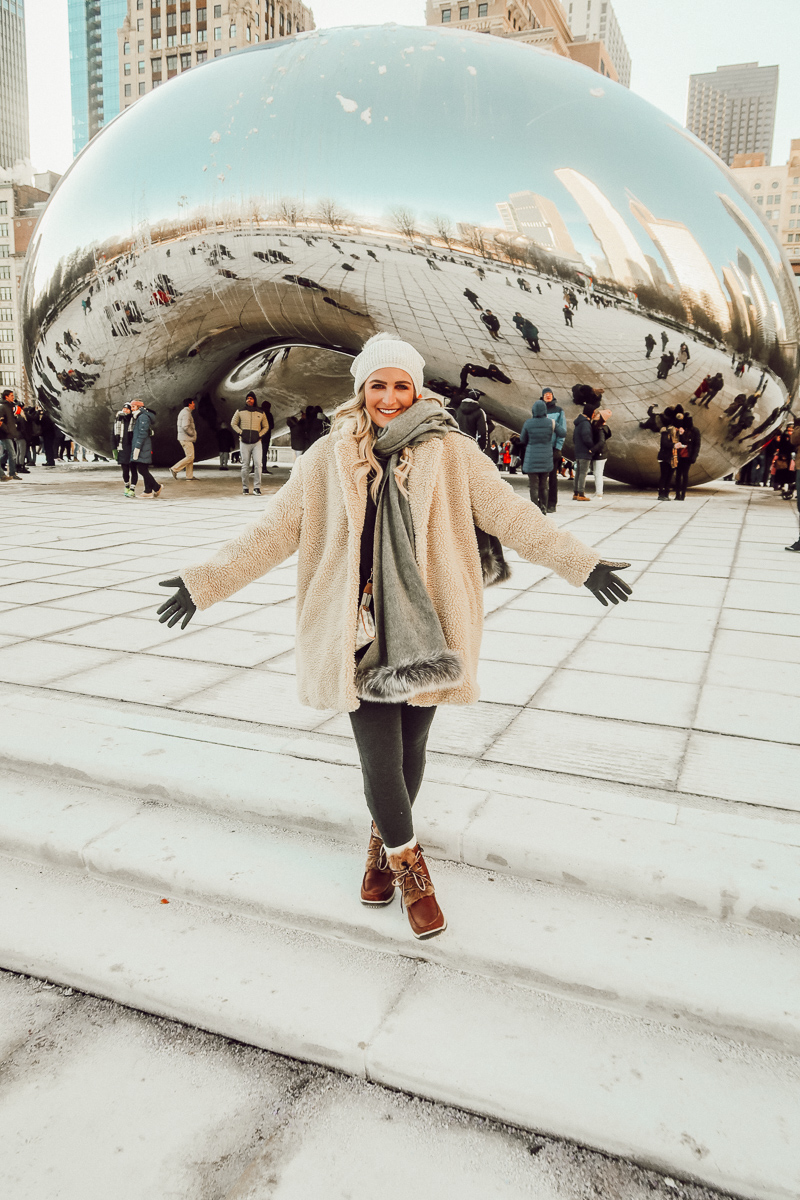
column 616, row 823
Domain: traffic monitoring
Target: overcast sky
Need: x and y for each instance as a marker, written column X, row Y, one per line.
column 668, row 40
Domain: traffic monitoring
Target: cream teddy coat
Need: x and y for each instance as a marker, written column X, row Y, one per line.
column 452, row 486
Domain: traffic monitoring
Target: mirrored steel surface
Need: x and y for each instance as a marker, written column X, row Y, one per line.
column 250, row 223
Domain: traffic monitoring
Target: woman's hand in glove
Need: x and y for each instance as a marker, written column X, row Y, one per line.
column 179, row 605
column 605, row 585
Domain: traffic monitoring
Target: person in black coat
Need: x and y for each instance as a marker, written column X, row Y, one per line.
column 688, row 448
column 668, row 458
column 492, row 324
column 471, row 418
column 297, row 433
column 266, row 408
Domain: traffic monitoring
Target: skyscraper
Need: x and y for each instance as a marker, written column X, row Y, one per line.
column 14, row 137
column 623, row 256
column 732, row 109
column 597, row 22
column 93, row 65
column 537, row 218
column 686, row 262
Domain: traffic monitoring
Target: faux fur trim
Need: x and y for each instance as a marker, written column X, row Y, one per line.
column 494, row 567
column 390, row 685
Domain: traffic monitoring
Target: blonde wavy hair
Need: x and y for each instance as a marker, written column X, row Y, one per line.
column 365, row 432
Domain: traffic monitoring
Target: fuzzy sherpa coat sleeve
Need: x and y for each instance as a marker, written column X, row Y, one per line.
column 498, row 510
column 273, row 538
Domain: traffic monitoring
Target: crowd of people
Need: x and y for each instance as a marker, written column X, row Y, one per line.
column 27, row 430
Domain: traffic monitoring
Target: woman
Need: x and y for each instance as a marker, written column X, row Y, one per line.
column 601, row 435
column 123, row 436
column 142, row 446
column 391, row 507
column 537, row 439
column 683, row 355
column 266, row 409
column 668, row 458
column 506, row 457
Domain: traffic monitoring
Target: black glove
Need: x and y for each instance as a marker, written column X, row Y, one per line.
column 180, row 605
column 604, row 583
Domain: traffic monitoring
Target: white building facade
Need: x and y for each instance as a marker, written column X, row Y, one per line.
column 596, row 21
column 775, row 191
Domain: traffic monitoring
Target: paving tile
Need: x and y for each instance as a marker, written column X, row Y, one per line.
column 109, row 603
column 24, row 572
column 33, row 621
column 754, row 621
column 128, row 633
column 40, row 663
column 264, row 696
column 703, row 570
column 579, row 604
column 647, row 662
column 742, row 768
column 517, row 620
column 689, row 590
column 763, row 597
column 580, row 745
column 100, row 577
column 142, row 678
column 510, row 683
column 669, row 635
column 8, row 639
column 638, row 609
column 37, row 592
column 769, row 646
column 774, row 675
column 469, row 729
column 234, row 647
column 621, row 697
column 533, row 649
column 262, row 592
column 769, row 716
column 275, row 618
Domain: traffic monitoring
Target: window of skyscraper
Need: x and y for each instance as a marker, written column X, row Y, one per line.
column 202, row 35
column 463, row 12
column 445, row 15
column 172, row 61
column 141, row 89
column 141, row 68
column 483, row 10
column 202, row 55
column 126, row 47
column 140, row 25
column 217, row 10
column 3, row 208
column 232, row 31
column 217, row 54
column 126, row 70
column 201, row 14
column 186, row 39
column 128, row 92
column 4, row 230
column 172, row 20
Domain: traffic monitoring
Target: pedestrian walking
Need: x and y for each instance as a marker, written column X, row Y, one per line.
column 528, row 331
column 664, row 340
column 666, row 365
column 602, row 433
column 492, row 324
column 471, row 419
column 583, row 445
column 266, row 409
column 8, row 436
column 683, row 355
column 142, row 446
column 650, row 343
column 688, row 448
column 567, row 315
column 395, row 506
column 250, row 425
column 123, row 450
column 715, row 384
column 668, row 458
column 473, row 299
column 187, row 436
column 537, row 437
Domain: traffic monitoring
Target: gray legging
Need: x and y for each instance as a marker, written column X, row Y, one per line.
column 581, row 471
column 391, row 741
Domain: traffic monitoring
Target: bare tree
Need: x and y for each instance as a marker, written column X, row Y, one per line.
column 444, row 230
column 331, row 214
column 290, row 210
column 404, row 222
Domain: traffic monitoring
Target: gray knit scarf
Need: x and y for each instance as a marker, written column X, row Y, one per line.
column 409, row 654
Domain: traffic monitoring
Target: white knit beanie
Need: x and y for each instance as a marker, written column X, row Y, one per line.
column 385, row 350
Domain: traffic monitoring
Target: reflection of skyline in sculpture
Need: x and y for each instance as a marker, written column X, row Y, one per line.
column 622, row 252
column 538, row 218
column 764, row 317
column 691, row 272
column 190, row 263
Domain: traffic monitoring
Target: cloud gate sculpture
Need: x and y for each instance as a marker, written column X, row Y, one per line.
column 250, row 223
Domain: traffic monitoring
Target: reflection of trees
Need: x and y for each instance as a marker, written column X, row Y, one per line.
column 444, row 230
column 404, row 222
column 291, row 211
column 331, row 213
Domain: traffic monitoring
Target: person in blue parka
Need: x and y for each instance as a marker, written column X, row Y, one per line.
column 143, row 425
column 537, row 439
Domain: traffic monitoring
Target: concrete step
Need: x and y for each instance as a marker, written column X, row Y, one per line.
column 736, row 862
column 687, row 970
column 707, row 1108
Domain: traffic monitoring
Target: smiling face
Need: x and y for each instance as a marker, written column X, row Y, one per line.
column 387, row 393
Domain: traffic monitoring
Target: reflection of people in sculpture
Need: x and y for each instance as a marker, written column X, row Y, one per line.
column 523, row 284
column 473, row 299
column 650, row 343
column 716, row 384
column 666, row 365
column 491, row 372
column 683, row 355
column 567, row 315
column 528, row 331
column 664, row 340
column 492, row 324
column 398, row 520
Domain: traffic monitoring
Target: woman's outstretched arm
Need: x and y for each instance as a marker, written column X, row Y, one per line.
column 271, row 540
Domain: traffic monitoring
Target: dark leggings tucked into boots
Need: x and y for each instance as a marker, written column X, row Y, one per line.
column 391, row 741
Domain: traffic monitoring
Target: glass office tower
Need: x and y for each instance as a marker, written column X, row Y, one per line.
column 93, row 65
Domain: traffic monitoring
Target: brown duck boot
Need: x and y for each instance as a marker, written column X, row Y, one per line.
column 417, row 893
column 377, row 886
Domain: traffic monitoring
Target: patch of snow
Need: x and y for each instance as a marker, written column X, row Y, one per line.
column 348, row 105
column 366, row 116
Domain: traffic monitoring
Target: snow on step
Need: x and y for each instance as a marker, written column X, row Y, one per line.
column 680, row 968
column 677, row 1100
